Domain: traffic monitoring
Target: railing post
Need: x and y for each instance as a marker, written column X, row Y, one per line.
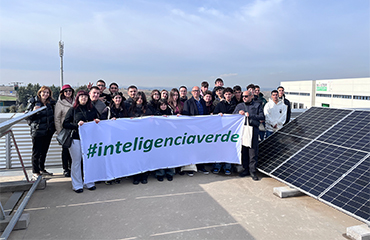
column 8, row 150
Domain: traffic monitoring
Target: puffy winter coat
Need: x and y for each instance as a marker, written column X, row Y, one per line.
column 42, row 123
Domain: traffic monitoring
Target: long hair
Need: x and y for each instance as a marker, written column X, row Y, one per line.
column 152, row 94
column 178, row 101
column 121, row 105
column 77, row 101
column 164, row 90
column 43, row 88
column 144, row 106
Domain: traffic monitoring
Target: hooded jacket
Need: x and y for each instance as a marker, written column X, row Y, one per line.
column 275, row 114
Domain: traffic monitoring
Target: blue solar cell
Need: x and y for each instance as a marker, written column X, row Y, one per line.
column 322, row 171
column 314, row 122
column 351, row 132
column 352, row 193
column 276, row 149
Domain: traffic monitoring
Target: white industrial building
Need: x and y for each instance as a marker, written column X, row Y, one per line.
column 334, row 93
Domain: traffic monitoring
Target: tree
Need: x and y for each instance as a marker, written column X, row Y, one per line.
column 25, row 93
column 55, row 91
column 83, row 87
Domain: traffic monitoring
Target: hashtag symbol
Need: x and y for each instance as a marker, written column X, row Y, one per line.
column 92, row 150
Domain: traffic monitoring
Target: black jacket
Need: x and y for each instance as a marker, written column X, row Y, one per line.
column 73, row 116
column 255, row 112
column 137, row 112
column 154, row 107
column 42, row 123
column 289, row 109
column 224, row 107
column 114, row 112
column 236, row 102
column 190, row 107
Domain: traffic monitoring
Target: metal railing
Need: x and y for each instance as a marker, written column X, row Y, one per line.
column 9, row 158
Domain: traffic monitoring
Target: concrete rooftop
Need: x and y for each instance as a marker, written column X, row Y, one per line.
column 200, row 207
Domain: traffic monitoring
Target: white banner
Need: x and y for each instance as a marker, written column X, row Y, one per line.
column 123, row 147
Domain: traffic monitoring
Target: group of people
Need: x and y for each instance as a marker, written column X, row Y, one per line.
column 73, row 110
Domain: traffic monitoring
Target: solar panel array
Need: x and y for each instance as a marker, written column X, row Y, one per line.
column 324, row 153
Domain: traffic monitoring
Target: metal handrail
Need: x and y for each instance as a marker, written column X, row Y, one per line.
column 5, row 126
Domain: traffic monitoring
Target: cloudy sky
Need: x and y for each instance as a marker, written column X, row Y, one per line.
column 169, row 43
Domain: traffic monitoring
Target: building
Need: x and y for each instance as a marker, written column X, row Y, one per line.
column 334, row 93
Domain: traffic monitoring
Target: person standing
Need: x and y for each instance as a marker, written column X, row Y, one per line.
column 208, row 99
column 174, row 102
column 286, row 102
column 164, row 94
column 139, row 108
column 131, row 91
column 237, row 98
column 153, row 104
column 95, row 101
column 275, row 113
column 82, row 111
column 203, row 88
column 192, row 107
column 226, row 106
column 183, row 93
column 258, row 97
column 254, row 114
column 42, row 129
column 65, row 102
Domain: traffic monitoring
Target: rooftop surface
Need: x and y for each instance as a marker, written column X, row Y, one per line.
column 200, row 207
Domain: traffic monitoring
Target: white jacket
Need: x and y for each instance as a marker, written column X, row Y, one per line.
column 275, row 114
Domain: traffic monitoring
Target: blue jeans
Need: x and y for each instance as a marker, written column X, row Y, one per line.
column 226, row 166
column 268, row 134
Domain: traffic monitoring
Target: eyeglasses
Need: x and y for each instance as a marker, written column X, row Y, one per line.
column 112, row 87
column 245, row 96
column 100, row 85
column 68, row 90
column 195, row 90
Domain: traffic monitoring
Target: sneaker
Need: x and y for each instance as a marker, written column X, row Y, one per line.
column 35, row 176
column 67, row 174
column 216, row 171
column 169, row 177
column 44, row 172
column 190, row 174
column 227, row 172
column 203, row 170
column 108, row 182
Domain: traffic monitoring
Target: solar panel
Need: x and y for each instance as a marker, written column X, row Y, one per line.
column 352, row 193
column 277, row 148
column 352, row 132
column 314, row 122
column 318, row 166
column 325, row 153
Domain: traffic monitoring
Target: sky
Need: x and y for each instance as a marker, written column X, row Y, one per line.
column 168, row 43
